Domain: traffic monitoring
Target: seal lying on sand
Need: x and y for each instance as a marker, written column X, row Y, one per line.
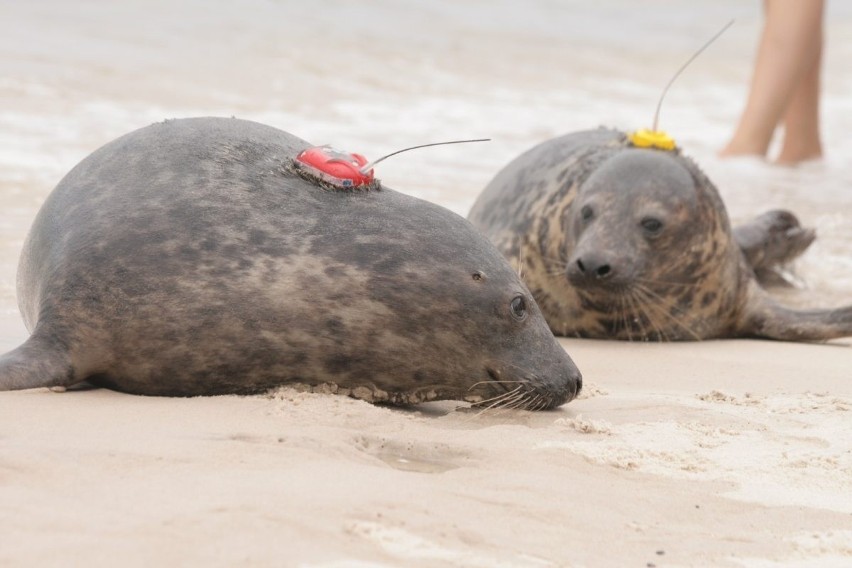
column 616, row 241
column 188, row 258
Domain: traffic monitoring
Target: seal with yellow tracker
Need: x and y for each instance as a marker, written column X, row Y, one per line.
column 619, row 235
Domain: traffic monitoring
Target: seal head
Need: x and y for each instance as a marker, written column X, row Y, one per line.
column 637, row 248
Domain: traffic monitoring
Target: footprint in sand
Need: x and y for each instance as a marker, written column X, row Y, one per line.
column 421, row 457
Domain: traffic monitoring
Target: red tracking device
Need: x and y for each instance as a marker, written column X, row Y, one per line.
column 338, row 168
column 345, row 170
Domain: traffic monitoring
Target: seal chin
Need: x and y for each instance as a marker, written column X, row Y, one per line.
column 525, row 392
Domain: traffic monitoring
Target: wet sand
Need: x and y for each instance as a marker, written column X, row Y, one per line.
column 732, row 453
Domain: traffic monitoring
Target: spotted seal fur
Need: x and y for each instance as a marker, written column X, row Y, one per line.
column 616, row 241
column 187, row 258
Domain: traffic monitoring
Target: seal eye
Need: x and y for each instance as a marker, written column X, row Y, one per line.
column 518, row 306
column 586, row 213
column 652, row 226
column 477, row 276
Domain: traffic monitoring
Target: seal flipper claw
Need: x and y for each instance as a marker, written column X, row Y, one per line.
column 772, row 240
column 764, row 317
column 36, row 363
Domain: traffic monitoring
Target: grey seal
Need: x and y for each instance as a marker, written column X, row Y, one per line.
column 630, row 243
column 189, row 258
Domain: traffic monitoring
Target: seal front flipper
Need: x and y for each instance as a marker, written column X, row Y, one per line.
column 764, row 317
column 38, row 362
column 772, row 240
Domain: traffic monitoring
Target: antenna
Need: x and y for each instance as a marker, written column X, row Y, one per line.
column 367, row 167
column 683, row 67
column 336, row 169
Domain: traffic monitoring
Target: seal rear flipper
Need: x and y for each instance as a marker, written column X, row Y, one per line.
column 764, row 317
column 36, row 363
column 772, row 240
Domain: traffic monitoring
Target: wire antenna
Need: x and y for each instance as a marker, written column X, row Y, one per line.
column 368, row 166
column 684, row 66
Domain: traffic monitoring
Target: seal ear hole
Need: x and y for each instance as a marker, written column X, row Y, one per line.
column 518, row 307
column 586, row 213
column 652, row 226
column 478, row 276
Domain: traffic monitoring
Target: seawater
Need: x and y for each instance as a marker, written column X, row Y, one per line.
column 378, row 75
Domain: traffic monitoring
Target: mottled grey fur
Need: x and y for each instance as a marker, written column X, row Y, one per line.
column 576, row 213
column 186, row 258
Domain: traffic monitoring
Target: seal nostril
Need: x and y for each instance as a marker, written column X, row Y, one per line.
column 580, row 265
column 603, row 271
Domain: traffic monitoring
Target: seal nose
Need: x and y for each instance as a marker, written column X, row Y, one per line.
column 571, row 385
column 567, row 380
column 591, row 266
column 576, row 383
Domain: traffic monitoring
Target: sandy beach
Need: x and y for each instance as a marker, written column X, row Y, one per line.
column 726, row 453
column 721, row 453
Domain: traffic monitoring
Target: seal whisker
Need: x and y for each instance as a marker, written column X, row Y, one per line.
column 662, row 306
column 636, row 315
column 544, row 403
column 644, row 303
column 502, row 395
column 535, row 402
column 533, row 398
column 665, row 304
column 524, row 402
column 496, row 400
column 619, row 322
column 519, row 397
column 665, row 282
column 504, row 402
column 623, row 300
column 510, row 401
column 493, row 403
column 514, row 405
column 641, row 316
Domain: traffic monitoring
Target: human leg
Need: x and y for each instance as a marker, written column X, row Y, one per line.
column 791, row 37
